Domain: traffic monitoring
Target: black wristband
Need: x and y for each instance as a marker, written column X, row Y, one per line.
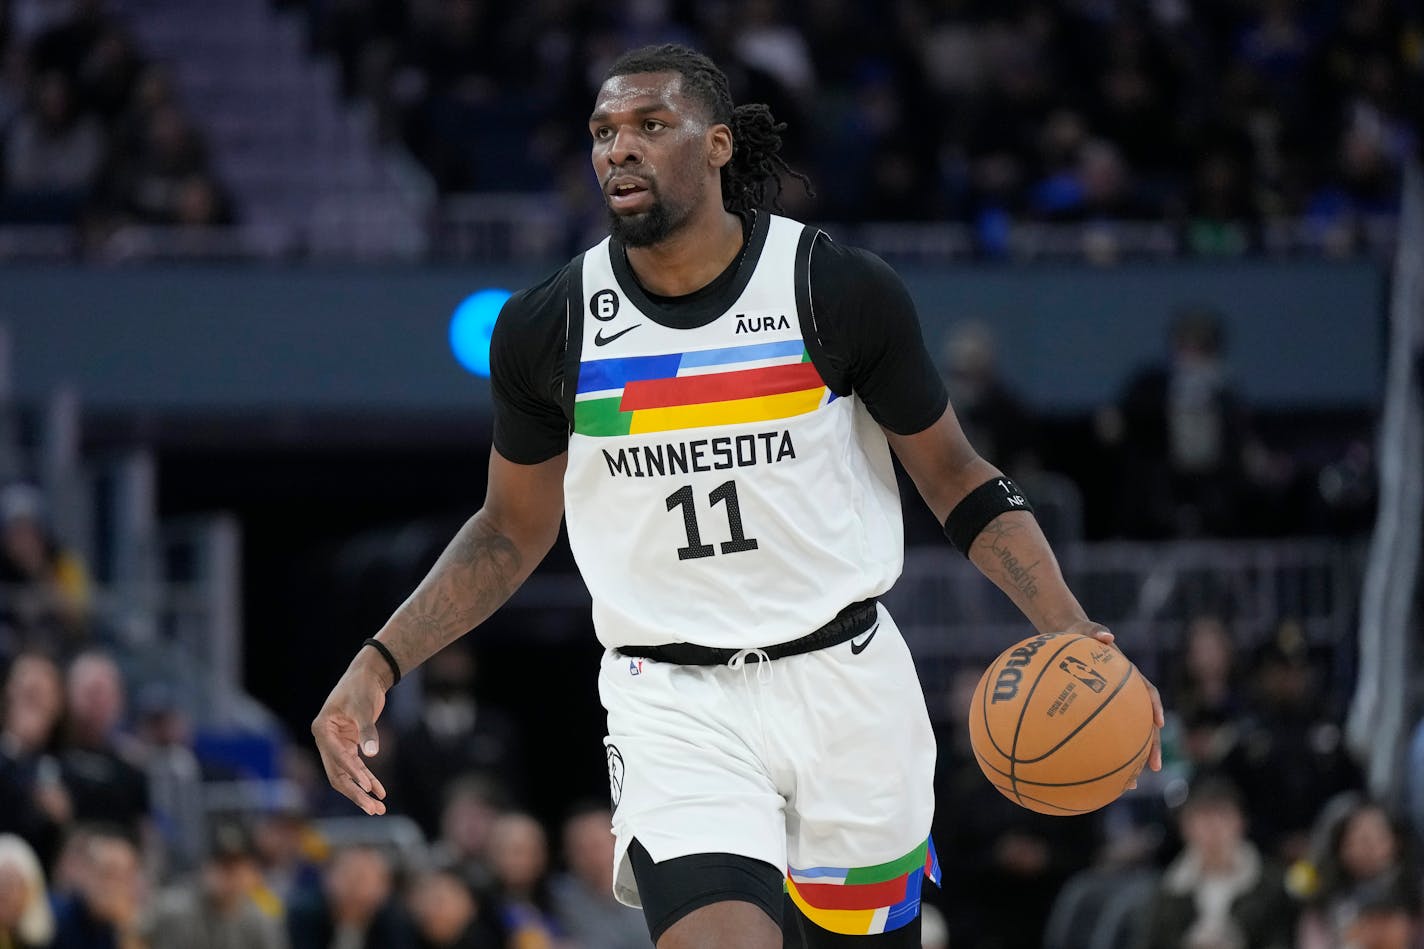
column 979, row 507
column 386, row 654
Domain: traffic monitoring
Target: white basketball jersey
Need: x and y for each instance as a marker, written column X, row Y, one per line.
column 717, row 491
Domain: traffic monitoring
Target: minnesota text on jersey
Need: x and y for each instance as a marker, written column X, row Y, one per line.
column 700, row 454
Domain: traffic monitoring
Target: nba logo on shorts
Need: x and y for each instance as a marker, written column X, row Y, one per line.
column 635, row 667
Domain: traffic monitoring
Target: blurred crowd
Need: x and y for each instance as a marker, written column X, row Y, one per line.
column 121, row 827
column 91, row 133
column 1178, row 452
column 1257, row 833
column 100, row 846
column 1219, row 116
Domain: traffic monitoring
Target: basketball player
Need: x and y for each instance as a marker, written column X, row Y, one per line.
column 710, row 398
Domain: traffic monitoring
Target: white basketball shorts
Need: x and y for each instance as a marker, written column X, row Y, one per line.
column 821, row 764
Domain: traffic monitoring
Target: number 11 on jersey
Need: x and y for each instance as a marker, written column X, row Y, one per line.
column 725, row 493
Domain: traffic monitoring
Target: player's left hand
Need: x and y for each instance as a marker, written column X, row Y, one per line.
column 1101, row 633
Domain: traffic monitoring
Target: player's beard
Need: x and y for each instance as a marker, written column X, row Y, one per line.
column 646, row 228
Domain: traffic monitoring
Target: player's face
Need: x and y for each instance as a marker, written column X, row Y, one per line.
column 653, row 154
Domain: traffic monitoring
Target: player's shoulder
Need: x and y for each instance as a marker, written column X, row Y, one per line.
column 543, row 302
column 837, row 267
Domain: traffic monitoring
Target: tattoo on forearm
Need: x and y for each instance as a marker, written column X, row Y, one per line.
column 994, row 539
column 475, row 574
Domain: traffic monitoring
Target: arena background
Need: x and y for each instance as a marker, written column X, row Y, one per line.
column 1170, row 257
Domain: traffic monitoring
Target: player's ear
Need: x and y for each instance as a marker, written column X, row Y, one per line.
column 719, row 144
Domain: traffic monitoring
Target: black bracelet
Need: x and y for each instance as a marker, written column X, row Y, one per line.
column 979, row 507
column 386, row 654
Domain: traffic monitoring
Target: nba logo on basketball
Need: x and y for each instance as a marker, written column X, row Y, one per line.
column 635, row 667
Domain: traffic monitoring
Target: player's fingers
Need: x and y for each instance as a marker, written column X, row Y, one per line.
column 360, row 774
column 370, row 741
column 353, row 790
column 1154, row 760
column 1159, row 717
column 1104, row 636
column 342, row 761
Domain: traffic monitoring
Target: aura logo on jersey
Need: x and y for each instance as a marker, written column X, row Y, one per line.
column 756, row 324
column 1006, row 683
column 736, row 385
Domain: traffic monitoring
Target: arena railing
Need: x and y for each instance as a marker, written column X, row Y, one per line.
column 1146, row 593
column 519, row 228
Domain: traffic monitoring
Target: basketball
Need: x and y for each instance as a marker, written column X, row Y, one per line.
column 1061, row 723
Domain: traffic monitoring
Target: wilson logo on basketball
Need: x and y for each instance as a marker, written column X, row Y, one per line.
column 1006, row 685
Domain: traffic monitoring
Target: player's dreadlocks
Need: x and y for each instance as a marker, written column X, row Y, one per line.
column 752, row 179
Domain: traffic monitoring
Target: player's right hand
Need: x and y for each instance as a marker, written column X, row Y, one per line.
column 345, row 731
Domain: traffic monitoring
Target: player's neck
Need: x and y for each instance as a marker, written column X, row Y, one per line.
column 692, row 257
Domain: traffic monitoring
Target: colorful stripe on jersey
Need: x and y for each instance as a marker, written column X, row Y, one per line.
column 863, row 901
column 734, row 386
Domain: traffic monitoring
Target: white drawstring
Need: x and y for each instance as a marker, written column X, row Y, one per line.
column 739, row 661
column 763, row 674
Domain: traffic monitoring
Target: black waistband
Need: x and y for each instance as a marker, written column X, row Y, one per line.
column 847, row 624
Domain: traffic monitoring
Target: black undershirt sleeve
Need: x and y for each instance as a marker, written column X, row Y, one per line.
column 869, row 336
column 526, row 373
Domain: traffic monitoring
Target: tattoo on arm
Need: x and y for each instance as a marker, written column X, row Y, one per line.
column 996, row 541
column 473, row 577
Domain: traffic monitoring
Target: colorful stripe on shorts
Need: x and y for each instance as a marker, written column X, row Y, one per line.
column 863, row 901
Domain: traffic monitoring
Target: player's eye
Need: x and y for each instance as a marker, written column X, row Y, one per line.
column 653, row 125
column 602, row 132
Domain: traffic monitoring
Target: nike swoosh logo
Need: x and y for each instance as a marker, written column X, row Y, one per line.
column 600, row 340
column 856, row 648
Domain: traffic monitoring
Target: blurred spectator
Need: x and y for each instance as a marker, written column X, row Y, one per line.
column 216, row 910
column 33, row 801
column 26, row 919
column 51, row 156
column 768, row 42
column 992, row 415
column 1289, row 758
column 519, row 860
column 1219, row 893
column 582, row 897
column 67, row 870
column 107, row 910
column 44, row 587
column 174, row 776
column 151, row 183
column 1383, row 921
column 472, row 805
column 1183, row 438
column 1208, row 680
column 1219, row 117
column 290, row 853
column 455, row 734
column 354, row 909
column 104, row 784
column 1367, row 863
column 448, row 916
